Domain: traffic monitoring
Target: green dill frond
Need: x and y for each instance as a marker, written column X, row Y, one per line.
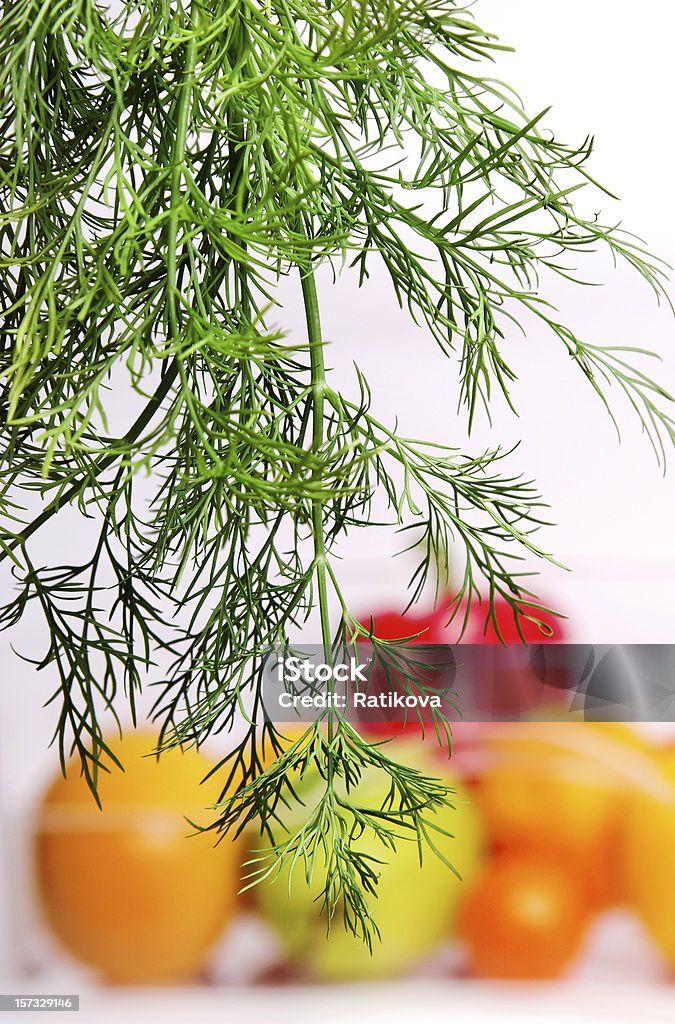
column 163, row 167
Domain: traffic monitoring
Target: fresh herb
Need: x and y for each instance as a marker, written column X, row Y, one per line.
column 162, row 168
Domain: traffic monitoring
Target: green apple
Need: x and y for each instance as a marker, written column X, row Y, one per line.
column 416, row 905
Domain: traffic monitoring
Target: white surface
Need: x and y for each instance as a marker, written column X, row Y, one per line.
column 616, row 978
column 415, row 1003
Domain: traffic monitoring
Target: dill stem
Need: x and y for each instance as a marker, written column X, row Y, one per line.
column 318, row 372
column 177, row 169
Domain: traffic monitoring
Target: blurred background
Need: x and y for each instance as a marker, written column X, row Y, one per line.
column 561, row 822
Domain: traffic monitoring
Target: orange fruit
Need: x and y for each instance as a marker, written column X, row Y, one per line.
column 127, row 889
column 560, row 789
column 649, row 855
column 523, row 919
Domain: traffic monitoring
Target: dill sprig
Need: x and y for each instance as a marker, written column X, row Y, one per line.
column 162, row 167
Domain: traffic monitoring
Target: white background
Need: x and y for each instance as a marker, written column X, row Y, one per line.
column 607, row 69
column 608, row 72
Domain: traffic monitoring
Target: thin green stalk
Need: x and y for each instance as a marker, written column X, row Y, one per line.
column 177, row 169
column 318, row 372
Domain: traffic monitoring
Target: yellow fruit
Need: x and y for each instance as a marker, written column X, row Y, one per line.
column 649, row 856
column 560, row 789
column 416, row 906
column 127, row 889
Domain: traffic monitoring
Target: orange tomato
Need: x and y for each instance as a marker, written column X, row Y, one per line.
column 127, row 890
column 523, row 919
column 560, row 789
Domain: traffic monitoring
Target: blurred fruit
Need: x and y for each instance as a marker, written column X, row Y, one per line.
column 478, row 631
column 561, row 789
column 523, row 919
column 509, row 682
column 414, row 903
column 519, row 686
column 649, row 855
column 127, row 889
column 435, row 627
column 393, row 625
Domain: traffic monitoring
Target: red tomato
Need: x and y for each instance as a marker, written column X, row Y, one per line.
column 515, row 688
column 518, row 688
column 477, row 632
column 394, row 625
